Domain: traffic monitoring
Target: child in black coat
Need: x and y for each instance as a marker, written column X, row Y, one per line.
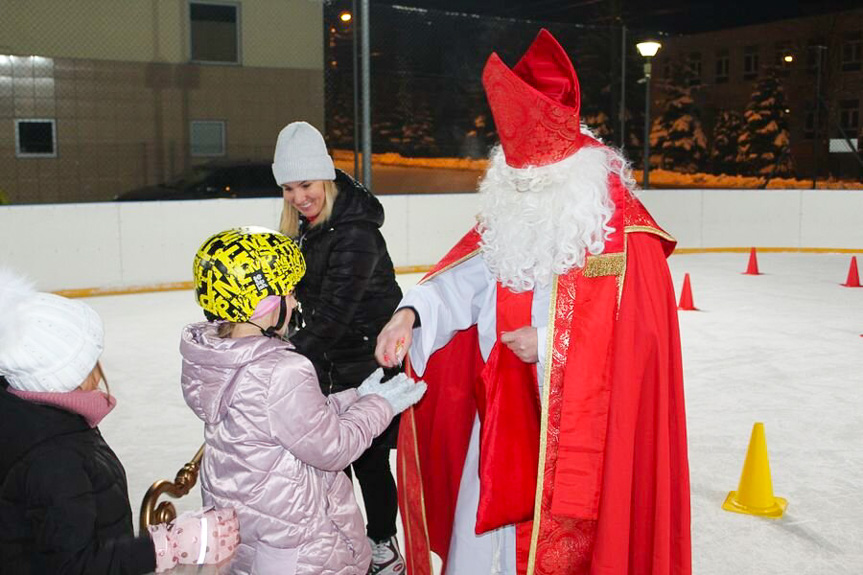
column 64, row 504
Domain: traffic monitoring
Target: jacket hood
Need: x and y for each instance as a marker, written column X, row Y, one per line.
column 354, row 203
column 212, row 364
column 26, row 424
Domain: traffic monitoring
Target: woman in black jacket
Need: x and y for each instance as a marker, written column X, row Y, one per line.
column 347, row 295
column 64, row 504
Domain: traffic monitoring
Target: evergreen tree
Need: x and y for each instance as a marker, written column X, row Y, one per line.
column 600, row 125
column 658, row 136
column 418, row 129
column 764, row 145
column 677, row 136
column 723, row 154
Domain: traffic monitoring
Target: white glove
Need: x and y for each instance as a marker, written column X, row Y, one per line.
column 400, row 392
column 371, row 382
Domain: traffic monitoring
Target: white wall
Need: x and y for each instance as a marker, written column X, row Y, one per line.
column 148, row 244
column 761, row 218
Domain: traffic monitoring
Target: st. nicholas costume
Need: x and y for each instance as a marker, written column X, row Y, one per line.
column 594, row 473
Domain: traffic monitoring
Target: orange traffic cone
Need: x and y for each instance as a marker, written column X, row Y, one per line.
column 853, row 277
column 754, row 495
column 752, row 268
column 686, row 296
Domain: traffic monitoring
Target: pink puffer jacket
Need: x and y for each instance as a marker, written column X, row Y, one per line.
column 276, row 448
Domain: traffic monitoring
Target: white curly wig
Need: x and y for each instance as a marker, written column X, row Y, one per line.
column 538, row 222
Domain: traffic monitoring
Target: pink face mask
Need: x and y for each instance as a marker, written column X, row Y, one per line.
column 266, row 305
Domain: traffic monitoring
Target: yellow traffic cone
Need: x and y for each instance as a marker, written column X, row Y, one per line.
column 754, row 495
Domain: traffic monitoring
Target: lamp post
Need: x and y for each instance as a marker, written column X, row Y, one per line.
column 648, row 50
column 365, row 56
column 819, row 55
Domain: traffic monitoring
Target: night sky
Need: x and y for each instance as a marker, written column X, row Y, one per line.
column 671, row 16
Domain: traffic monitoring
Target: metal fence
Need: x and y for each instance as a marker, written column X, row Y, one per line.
column 103, row 98
column 427, row 97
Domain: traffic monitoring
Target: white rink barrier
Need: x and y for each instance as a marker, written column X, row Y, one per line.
column 130, row 246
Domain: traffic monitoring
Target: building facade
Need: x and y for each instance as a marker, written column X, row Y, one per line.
column 100, row 96
column 726, row 65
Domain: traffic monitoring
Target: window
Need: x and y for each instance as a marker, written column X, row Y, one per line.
column 750, row 62
column 215, row 32
column 852, row 52
column 694, row 63
column 809, row 121
column 809, row 124
column 849, row 116
column 207, row 138
column 35, row 139
column 815, row 49
column 666, row 69
column 722, row 62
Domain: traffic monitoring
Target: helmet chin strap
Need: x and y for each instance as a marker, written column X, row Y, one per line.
column 283, row 315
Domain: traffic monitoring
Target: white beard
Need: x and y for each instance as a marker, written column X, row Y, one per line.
column 539, row 222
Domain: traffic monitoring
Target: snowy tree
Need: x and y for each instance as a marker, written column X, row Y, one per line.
column 599, row 124
column 723, row 153
column 414, row 113
column 658, row 135
column 764, row 144
column 677, row 139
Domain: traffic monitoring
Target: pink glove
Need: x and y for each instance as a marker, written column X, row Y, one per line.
column 205, row 536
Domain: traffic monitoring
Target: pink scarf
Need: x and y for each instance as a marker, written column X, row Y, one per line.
column 92, row 405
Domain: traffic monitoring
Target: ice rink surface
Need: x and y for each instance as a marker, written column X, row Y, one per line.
column 783, row 348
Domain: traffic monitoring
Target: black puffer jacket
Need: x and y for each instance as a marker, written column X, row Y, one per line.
column 349, row 291
column 64, row 504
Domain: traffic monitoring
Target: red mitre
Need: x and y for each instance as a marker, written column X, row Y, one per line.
column 536, row 104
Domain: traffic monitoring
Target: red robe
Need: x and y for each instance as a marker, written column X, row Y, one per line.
column 612, row 496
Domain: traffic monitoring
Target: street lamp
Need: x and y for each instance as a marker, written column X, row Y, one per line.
column 819, row 54
column 648, row 50
column 345, row 17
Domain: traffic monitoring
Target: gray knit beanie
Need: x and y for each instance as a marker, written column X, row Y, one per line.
column 301, row 155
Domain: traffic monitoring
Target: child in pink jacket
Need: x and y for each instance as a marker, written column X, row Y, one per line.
column 275, row 446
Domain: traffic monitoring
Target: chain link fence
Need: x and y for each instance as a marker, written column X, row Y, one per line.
column 113, row 99
column 427, row 98
column 101, row 98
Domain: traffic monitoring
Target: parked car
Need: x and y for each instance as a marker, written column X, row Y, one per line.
column 212, row 180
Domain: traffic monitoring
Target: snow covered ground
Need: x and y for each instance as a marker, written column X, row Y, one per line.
column 784, row 348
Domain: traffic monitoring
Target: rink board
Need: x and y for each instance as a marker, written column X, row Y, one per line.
column 150, row 245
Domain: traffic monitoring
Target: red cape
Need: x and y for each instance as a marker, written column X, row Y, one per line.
column 613, row 491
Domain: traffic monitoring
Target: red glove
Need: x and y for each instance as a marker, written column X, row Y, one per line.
column 201, row 537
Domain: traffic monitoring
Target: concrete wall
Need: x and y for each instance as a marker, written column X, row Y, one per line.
column 151, row 244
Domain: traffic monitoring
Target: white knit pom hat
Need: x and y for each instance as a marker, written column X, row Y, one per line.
column 47, row 342
column 301, row 155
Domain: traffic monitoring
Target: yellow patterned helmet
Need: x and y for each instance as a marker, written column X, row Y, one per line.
column 235, row 269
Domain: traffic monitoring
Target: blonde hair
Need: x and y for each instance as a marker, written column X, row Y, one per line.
column 225, row 329
column 290, row 222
